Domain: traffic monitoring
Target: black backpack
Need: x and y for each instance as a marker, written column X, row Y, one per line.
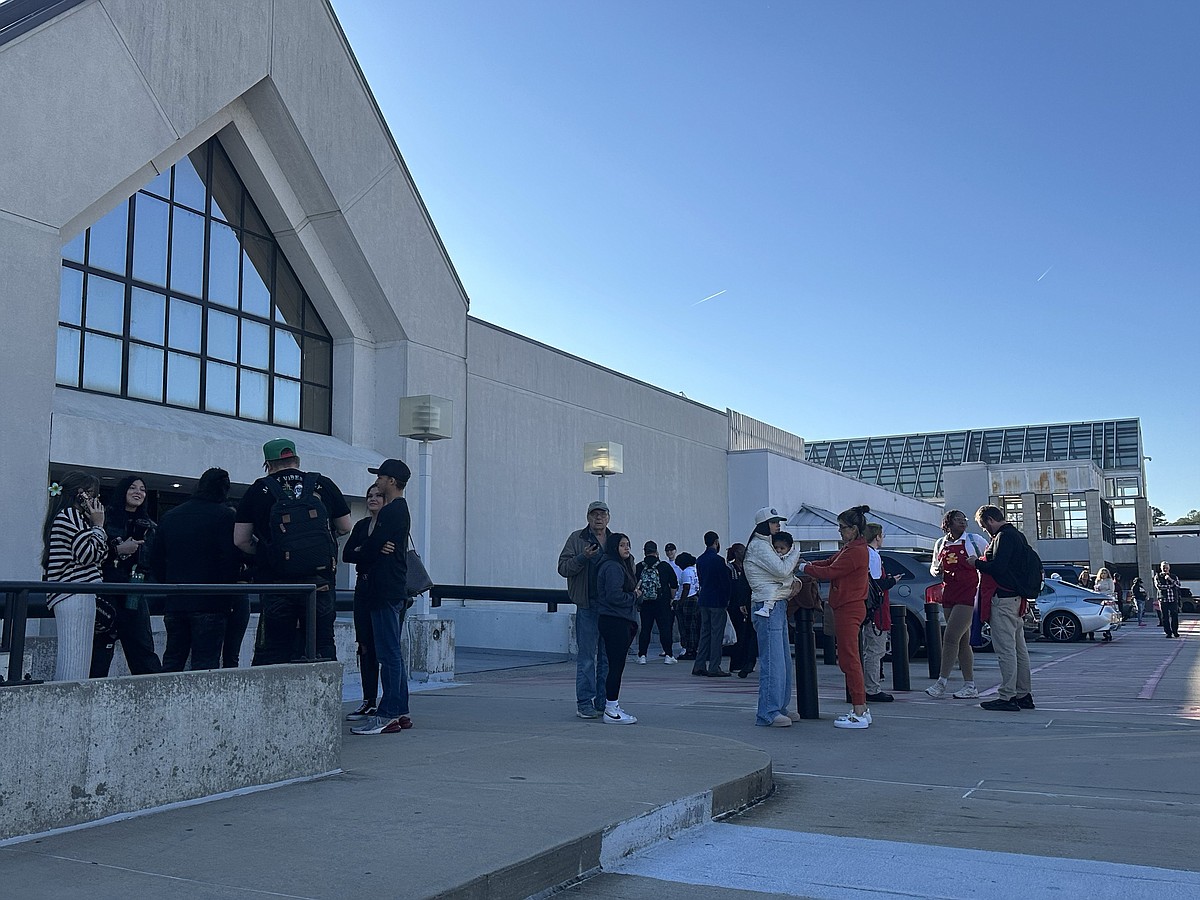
column 299, row 542
column 1028, row 572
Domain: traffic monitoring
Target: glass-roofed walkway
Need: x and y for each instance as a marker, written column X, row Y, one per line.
column 913, row 463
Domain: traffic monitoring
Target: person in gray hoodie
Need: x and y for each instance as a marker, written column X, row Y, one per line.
column 616, row 606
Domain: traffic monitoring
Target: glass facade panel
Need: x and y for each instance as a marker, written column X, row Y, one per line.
column 107, row 241
column 70, row 297
column 101, row 363
column 184, row 326
column 187, row 252
column 150, row 240
column 66, row 369
column 236, row 334
column 145, row 372
column 105, row 310
column 1061, row 516
column 147, row 316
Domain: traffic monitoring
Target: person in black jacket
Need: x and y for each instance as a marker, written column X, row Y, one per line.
column 364, row 635
column 617, row 608
column 194, row 545
column 126, row 617
column 1001, row 562
column 383, row 557
column 656, row 610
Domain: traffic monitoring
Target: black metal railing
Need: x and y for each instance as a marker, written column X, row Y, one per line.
column 19, row 608
column 551, row 598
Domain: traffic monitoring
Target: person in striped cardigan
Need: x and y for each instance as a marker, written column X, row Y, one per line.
column 74, row 547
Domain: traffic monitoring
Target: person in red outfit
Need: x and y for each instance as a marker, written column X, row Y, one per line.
column 960, row 587
column 848, row 571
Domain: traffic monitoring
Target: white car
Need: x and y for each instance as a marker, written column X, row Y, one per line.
column 1070, row 611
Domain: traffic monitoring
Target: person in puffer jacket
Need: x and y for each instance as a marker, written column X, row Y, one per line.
column 767, row 572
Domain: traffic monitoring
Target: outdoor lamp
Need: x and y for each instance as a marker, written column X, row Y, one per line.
column 603, row 458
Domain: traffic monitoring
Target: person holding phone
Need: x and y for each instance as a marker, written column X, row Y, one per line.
column 74, row 546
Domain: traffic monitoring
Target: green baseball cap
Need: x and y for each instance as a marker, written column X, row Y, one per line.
column 280, row 448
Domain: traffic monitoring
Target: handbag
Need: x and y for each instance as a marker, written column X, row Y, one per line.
column 418, row 580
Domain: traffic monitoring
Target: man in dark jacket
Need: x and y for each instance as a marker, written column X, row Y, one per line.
column 716, row 583
column 578, row 563
column 383, row 555
column 1001, row 561
column 656, row 610
column 194, row 545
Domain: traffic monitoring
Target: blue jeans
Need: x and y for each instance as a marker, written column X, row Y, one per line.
column 591, row 664
column 774, row 664
column 387, row 622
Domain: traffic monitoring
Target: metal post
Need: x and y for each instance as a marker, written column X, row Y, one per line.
column 807, row 704
column 425, row 475
column 310, row 637
column 15, row 616
column 933, row 638
column 900, row 677
column 603, row 489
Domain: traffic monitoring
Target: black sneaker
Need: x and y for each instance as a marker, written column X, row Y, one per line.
column 881, row 697
column 1025, row 702
column 363, row 712
column 1001, row 705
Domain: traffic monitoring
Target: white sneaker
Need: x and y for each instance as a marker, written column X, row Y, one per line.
column 670, row 660
column 937, row 690
column 781, row 721
column 853, row 720
column 794, row 716
column 641, row 660
column 618, row 716
column 763, row 611
column 966, row 692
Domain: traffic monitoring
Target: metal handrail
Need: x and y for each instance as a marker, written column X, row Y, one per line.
column 551, row 598
column 18, row 608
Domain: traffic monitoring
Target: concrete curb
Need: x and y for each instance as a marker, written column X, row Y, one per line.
column 555, row 869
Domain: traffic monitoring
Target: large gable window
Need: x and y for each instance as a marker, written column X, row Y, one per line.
column 181, row 296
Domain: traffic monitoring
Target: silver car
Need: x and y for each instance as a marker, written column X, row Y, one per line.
column 1070, row 611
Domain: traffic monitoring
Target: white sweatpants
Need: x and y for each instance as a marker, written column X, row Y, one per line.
column 75, row 621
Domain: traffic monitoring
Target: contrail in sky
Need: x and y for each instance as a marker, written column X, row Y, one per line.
column 709, row 297
column 1044, row 274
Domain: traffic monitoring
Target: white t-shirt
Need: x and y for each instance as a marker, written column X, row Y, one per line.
column 874, row 562
column 688, row 576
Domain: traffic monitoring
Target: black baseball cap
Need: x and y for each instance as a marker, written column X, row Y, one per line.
column 393, row 468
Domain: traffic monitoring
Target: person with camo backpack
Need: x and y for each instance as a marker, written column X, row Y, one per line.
column 658, row 584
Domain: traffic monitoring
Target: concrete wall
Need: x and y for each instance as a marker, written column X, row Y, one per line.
column 88, row 750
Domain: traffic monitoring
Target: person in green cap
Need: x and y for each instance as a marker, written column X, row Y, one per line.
column 289, row 520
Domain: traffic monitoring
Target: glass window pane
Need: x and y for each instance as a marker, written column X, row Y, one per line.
column 312, row 321
column 150, row 240
column 253, row 221
column 220, row 388
column 145, row 372
column 67, row 362
column 106, row 245
column 187, row 252
column 315, row 414
column 105, row 304
column 252, row 404
column 226, row 189
column 256, row 276
column 287, row 403
column 222, row 335
column 146, row 316
column 70, row 296
column 74, row 248
column 317, row 355
column 102, row 363
column 184, row 328
column 289, row 298
column 256, row 344
column 183, row 380
column 287, row 353
column 223, row 256
column 160, row 186
column 189, row 189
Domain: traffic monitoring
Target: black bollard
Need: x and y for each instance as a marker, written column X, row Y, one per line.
column 807, row 704
column 933, row 638
column 900, row 680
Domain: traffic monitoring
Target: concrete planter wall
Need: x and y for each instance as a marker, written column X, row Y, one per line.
column 75, row 752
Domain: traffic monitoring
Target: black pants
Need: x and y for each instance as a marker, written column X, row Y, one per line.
column 364, row 634
column 616, row 634
column 1170, row 618
column 199, row 635
column 132, row 628
column 284, row 620
column 688, row 614
column 745, row 651
column 235, row 630
column 657, row 613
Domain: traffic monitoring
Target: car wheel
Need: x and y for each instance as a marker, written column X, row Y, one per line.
column 1062, row 628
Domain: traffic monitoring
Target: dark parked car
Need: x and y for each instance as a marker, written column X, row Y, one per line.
column 1187, row 602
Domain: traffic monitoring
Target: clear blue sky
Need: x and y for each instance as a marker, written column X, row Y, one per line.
column 924, row 215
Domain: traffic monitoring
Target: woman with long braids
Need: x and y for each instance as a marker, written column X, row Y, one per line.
column 617, row 609
column 73, row 547
column 848, row 571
